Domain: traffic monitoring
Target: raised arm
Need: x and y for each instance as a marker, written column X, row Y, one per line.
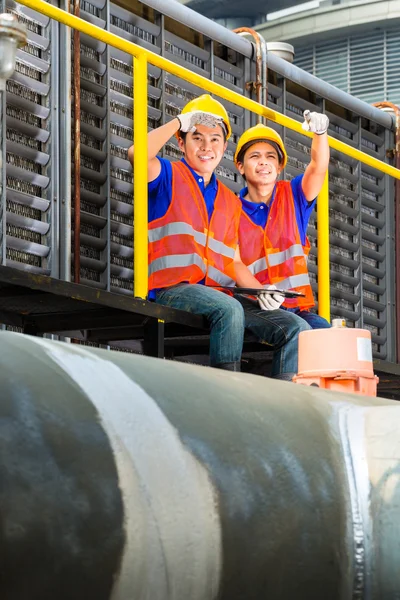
column 315, row 172
column 156, row 139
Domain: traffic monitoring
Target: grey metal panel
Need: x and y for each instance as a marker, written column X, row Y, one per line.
column 30, row 225
column 94, row 189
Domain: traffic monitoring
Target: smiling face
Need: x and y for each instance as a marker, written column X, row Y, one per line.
column 204, row 149
column 260, row 164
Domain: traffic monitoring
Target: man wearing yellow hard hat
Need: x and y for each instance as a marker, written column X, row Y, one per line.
column 194, row 226
column 272, row 236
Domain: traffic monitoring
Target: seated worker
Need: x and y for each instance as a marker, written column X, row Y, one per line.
column 272, row 234
column 194, row 225
column 194, row 228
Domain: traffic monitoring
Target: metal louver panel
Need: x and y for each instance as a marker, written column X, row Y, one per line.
column 365, row 65
column 139, row 31
column 392, row 92
column 367, row 76
column 28, row 203
column 94, row 155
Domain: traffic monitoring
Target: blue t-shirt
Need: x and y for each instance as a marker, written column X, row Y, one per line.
column 258, row 212
column 160, row 196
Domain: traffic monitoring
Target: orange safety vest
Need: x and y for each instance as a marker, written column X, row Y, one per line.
column 275, row 254
column 184, row 246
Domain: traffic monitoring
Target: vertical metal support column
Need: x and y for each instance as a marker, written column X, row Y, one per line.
column 106, row 211
column 65, row 148
column 161, row 21
column 247, row 65
column 140, row 179
column 153, row 341
column 55, row 151
column 324, row 293
column 77, row 148
column 283, row 110
column 392, row 284
column 3, row 168
column 360, row 288
column 212, row 66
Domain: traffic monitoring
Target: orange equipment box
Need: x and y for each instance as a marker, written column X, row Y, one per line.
column 337, row 359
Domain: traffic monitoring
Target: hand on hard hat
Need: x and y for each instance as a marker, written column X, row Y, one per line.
column 189, row 120
column 270, row 301
column 315, row 122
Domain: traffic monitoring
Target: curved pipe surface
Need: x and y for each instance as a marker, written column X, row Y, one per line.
column 124, row 477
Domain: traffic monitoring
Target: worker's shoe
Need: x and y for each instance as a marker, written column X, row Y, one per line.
column 285, row 376
column 230, row 366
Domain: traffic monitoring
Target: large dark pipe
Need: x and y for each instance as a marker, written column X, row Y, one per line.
column 130, row 478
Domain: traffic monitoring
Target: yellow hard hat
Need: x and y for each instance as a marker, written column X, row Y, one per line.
column 206, row 103
column 261, row 133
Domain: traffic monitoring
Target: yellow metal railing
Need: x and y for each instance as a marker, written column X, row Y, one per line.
column 324, row 299
column 141, row 58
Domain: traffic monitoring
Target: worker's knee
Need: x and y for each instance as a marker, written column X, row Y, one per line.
column 236, row 314
column 296, row 325
column 303, row 325
column 231, row 312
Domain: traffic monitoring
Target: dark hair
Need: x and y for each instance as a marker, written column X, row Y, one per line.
column 243, row 150
column 183, row 134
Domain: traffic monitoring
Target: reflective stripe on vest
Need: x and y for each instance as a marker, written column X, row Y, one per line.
column 278, row 258
column 176, row 260
column 177, row 228
column 184, row 244
column 181, row 228
column 275, row 254
column 220, row 248
column 258, row 265
column 219, row 277
column 293, row 281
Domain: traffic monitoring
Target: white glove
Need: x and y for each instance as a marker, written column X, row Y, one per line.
column 315, row 122
column 270, row 301
column 189, row 120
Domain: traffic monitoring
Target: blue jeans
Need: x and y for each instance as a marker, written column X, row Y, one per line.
column 314, row 320
column 276, row 328
column 224, row 314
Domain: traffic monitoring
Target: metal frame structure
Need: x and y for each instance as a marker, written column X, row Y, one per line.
column 39, row 305
column 182, row 64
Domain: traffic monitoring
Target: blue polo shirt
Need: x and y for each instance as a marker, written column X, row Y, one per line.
column 160, row 190
column 258, row 212
column 160, row 195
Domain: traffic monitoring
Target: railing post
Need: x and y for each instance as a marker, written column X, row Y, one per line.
column 324, row 294
column 140, row 223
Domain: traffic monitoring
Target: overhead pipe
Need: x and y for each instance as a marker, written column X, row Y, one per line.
column 261, row 84
column 125, row 477
column 200, row 81
column 77, row 148
column 396, row 110
column 221, row 34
